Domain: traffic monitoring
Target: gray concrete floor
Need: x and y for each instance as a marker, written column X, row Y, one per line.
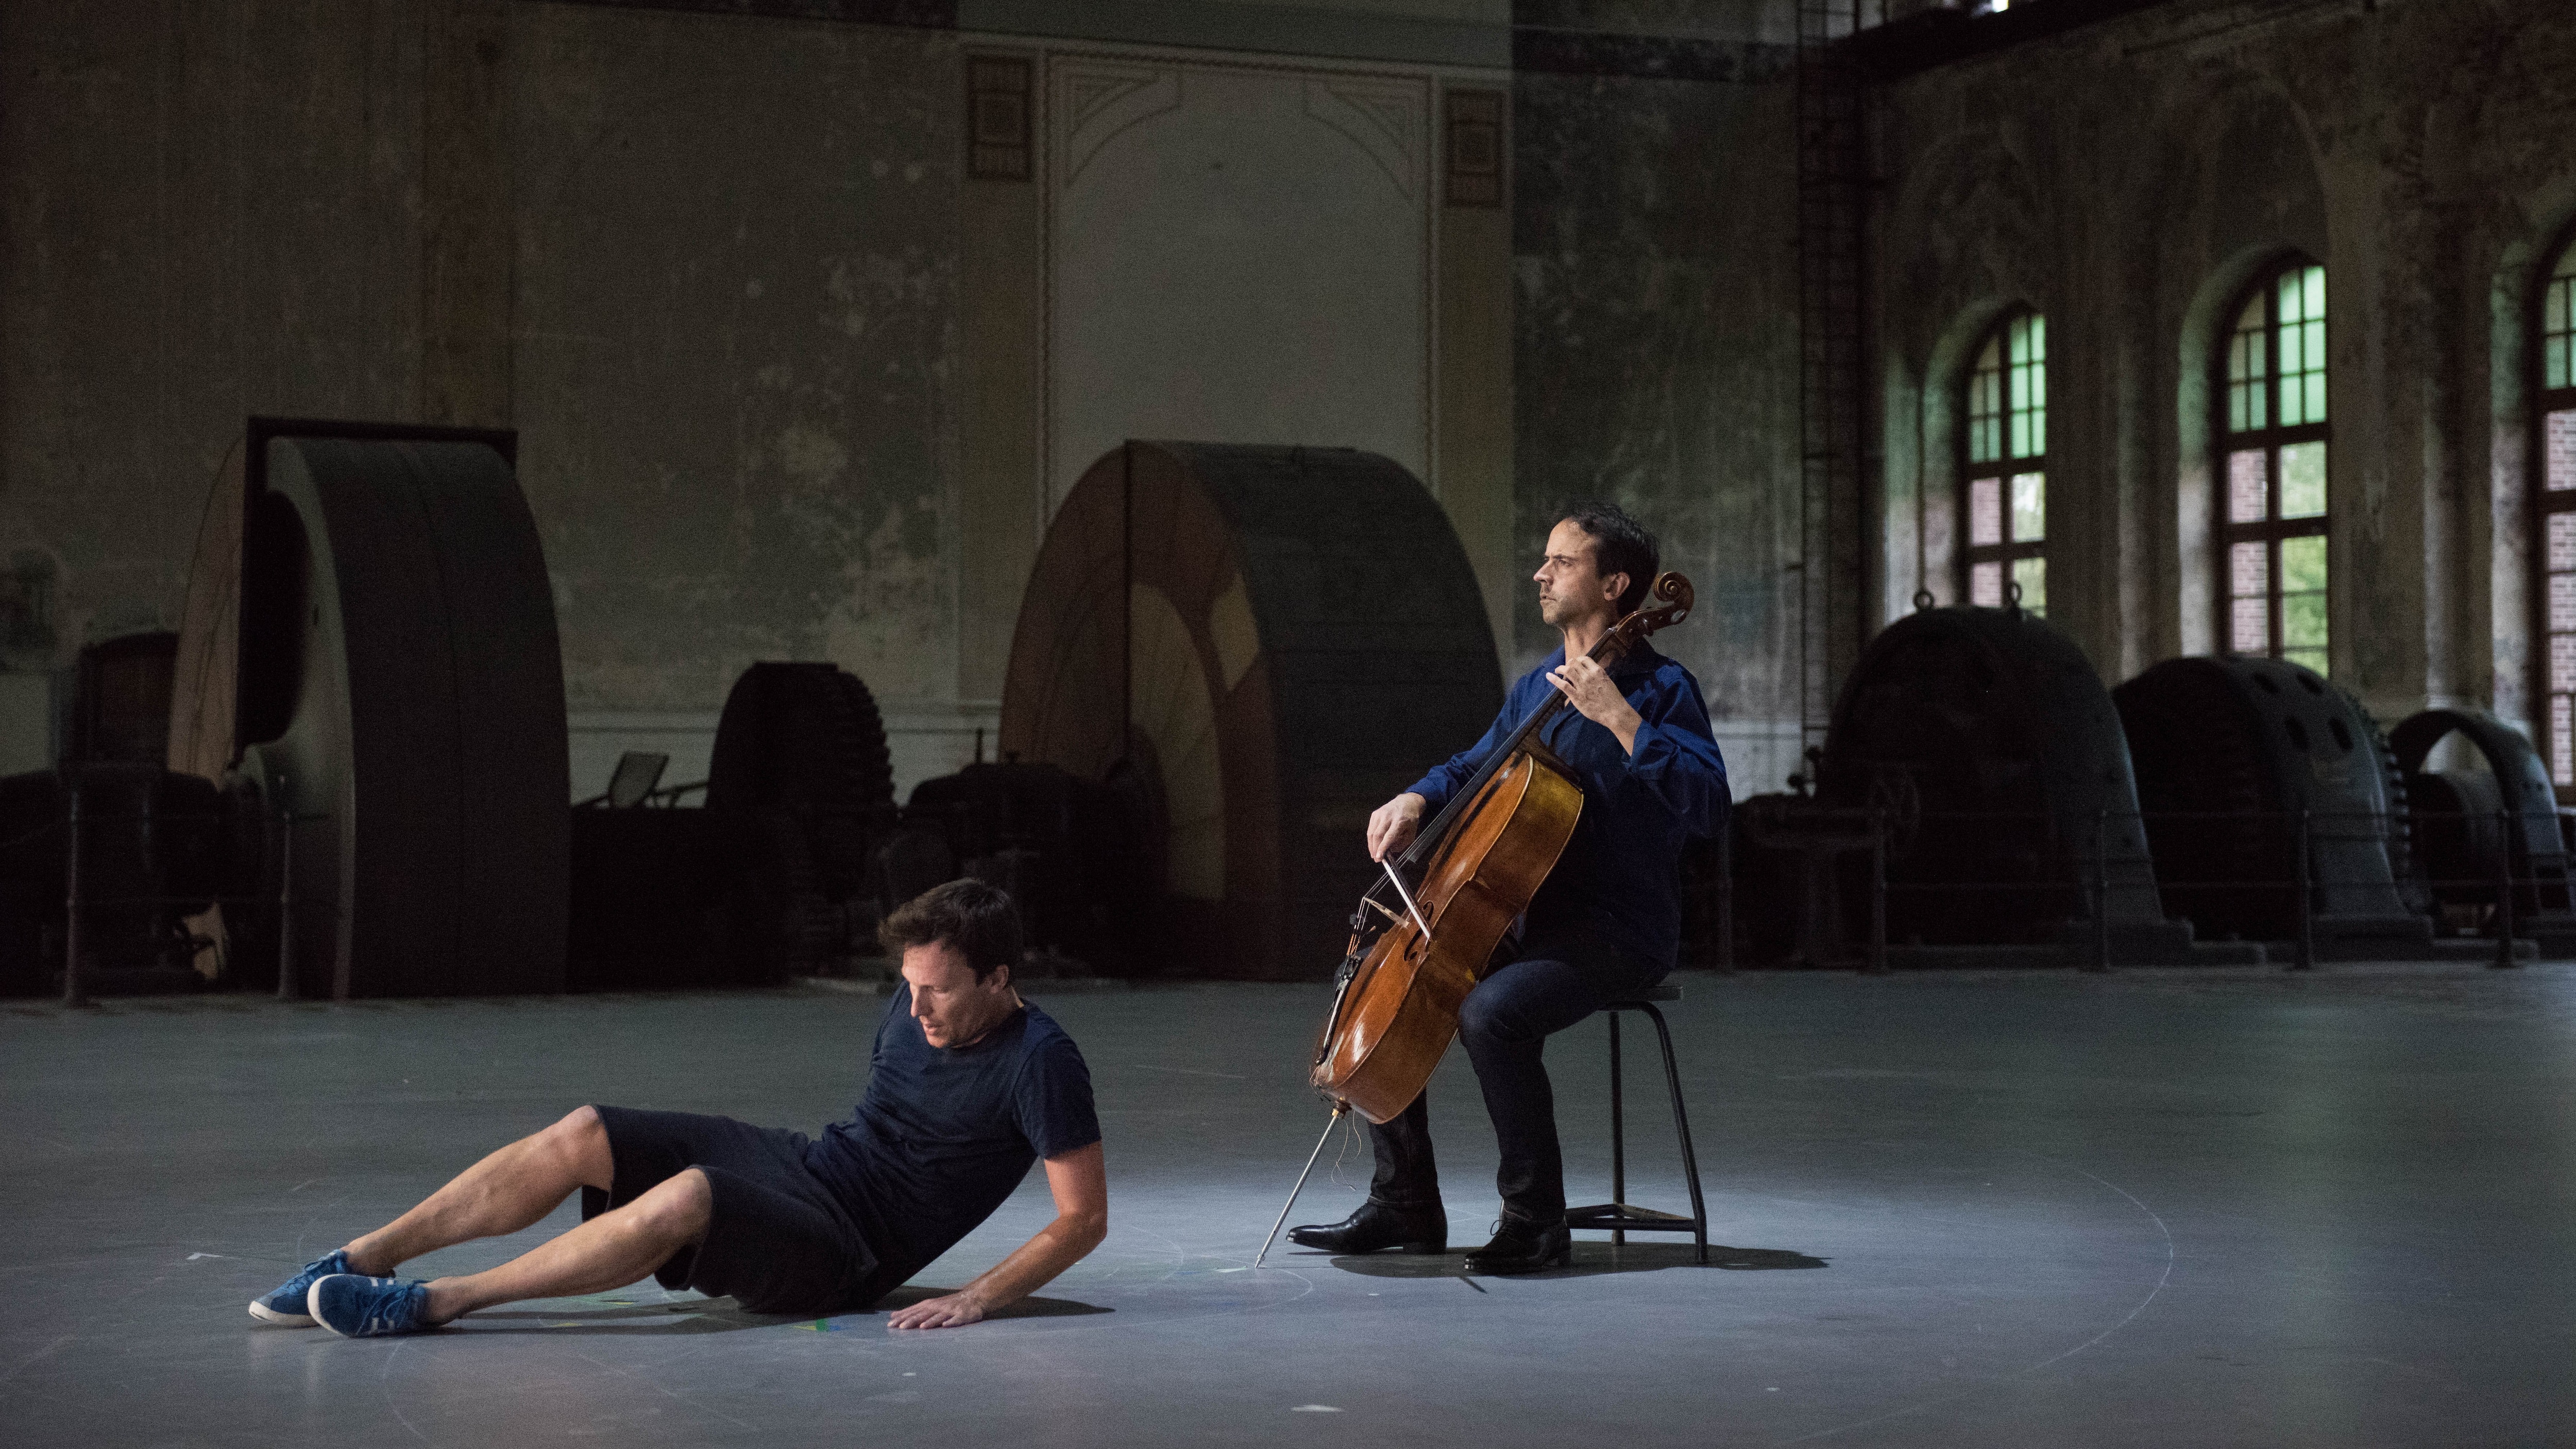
column 2159, row 1208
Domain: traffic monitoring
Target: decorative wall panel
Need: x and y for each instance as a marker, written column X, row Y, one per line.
column 997, row 117
column 1237, row 253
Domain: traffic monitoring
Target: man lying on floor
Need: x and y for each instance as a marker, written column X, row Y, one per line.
column 967, row 1086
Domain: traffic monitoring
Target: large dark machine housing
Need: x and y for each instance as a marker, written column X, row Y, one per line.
column 1258, row 646
column 2492, row 818
column 2249, row 766
column 799, row 791
column 366, row 685
column 156, row 847
column 1984, row 741
column 1980, row 790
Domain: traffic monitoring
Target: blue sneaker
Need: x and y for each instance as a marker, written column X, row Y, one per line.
column 355, row 1306
column 284, row 1304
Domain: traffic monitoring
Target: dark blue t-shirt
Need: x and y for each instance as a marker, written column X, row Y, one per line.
column 945, row 1133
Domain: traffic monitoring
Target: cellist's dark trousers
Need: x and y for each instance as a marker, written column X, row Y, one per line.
column 1504, row 1025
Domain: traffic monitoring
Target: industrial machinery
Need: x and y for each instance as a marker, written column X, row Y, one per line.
column 771, row 879
column 799, row 791
column 121, row 706
column 2271, row 793
column 1261, row 645
column 1071, row 851
column 647, row 887
column 1985, row 744
column 367, row 729
column 2476, row 826
column 155, row 847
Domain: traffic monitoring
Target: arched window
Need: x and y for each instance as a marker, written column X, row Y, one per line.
column 2556, row 519
column 2005, row 483
column 2272, row 534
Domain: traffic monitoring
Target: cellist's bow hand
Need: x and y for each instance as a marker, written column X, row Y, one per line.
column 1391, row 827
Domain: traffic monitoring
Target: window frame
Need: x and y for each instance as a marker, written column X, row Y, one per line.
column 2272, row 530
column 2542, row 505
column 2003, row 467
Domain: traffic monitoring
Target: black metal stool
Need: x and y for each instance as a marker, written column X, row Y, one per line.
column 1617, row 1216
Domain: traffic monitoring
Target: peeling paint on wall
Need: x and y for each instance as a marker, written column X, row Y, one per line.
column 769, row 357
column 1657, row 366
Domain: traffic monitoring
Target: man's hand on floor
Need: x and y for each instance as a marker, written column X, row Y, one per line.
column 1080, row 1185
column 953, row 1310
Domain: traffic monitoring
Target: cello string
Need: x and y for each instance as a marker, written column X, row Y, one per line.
column 1406, row 897
column 1350, row 1139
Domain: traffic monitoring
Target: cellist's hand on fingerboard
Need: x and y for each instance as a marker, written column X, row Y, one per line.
column 1595, row 695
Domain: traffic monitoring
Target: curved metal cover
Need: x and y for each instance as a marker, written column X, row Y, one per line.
column 427, row 721
column 1990, row 741
column 2539, row 852
column 1318, row 605
column 2310, row 747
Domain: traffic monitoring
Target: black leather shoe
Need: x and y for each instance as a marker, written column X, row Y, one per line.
column 1376, row 1226
column 1521, row 1246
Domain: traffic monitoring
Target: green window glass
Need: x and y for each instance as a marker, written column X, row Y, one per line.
column 2027, row 340
column 2273, row 548
column 2302, row 346
column 2249, row 362
column 2558, row 322
column 1986, row 404
column 2553, row 544
column 2003, row 495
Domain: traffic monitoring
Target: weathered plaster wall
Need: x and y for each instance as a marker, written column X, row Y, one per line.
column 205, row 212
column 780, row 371
column 2126, row 179
column 737, row 313
column 723, row 329
column 1657, row 364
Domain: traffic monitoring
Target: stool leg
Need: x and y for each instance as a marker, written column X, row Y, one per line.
column 1681, row 1127
column 1618, row 1138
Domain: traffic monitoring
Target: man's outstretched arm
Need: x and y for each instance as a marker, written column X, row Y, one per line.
column 1081, row 1186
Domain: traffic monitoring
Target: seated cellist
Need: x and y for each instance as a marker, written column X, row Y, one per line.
column 1606, row 921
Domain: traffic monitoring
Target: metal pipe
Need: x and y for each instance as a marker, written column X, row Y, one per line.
column 2306, row 959
column 1877, row 893
column 1618, row 1137
column 2101, row 890
column 285, row 895
column 2504, row 890
column 1681, row 1129
column 73, row 995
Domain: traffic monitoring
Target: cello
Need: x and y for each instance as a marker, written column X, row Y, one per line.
column 1428, row 931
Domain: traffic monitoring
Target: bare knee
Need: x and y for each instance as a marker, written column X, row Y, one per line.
column 580, row 1143
column 678, row 1208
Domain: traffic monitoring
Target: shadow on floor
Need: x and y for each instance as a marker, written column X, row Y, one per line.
column 701, row 1315
column 1590, row 1259
column 723, row 1315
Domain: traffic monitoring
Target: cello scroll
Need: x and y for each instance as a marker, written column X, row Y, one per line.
column 1676, row 593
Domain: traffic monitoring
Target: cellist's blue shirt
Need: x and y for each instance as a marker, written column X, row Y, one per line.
column 1616, row 879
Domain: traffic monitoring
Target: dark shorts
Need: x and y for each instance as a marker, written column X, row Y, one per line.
column 777, row 1242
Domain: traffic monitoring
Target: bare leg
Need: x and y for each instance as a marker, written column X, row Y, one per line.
column 609, row 1251
column 512, row 1189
